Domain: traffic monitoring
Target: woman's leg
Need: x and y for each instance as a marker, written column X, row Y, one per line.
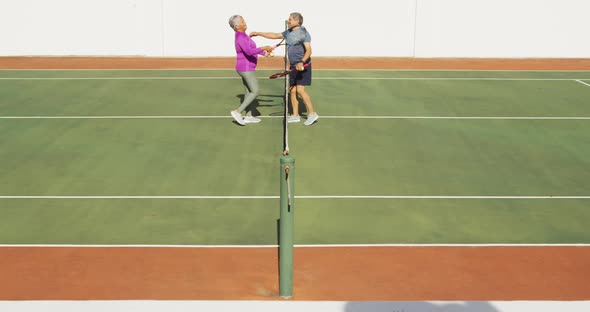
column 251, row 82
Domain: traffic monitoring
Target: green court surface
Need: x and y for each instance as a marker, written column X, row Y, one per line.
column 397, row 157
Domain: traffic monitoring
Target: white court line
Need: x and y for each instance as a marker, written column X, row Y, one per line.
column 116, row 78
column 315, row 69
column 447, row 78
column 462, row 117
column 132, row 197
column 324, row 117
column 583, row 83
column 292, row 306
column 296, row 196
column 123, row 117
column 321, row 78
column 296, row 245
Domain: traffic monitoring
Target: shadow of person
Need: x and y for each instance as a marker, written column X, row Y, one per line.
column 419, row 306
column 272, row 96
column 301, row 105
column 253, row 107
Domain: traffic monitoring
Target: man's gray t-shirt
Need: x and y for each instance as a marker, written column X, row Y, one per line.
column 294, row 39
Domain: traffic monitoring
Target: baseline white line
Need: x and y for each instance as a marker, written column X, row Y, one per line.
column 116, row 78
column 296, row 196
column 323, row 116
column 447, row 78
column 315, row 69
column 583, row 83
column 291, row 305
column 321, row 78
column 296, row 245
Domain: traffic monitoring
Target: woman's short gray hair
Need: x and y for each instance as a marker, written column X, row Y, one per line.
column 298, row 17
column 234, row 20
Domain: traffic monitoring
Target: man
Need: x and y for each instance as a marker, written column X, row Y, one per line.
column 298, row 42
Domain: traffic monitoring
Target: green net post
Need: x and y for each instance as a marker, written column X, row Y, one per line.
column 286, row 225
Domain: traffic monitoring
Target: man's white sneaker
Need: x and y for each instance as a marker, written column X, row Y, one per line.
column 311, row 119
column 251, row 119
column 293, row 119
column 238, row 118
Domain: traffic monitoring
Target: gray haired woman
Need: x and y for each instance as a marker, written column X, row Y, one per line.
column 246, row 60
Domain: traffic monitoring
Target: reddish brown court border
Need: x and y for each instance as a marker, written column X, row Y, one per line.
column 277, row 62
column 320, row 273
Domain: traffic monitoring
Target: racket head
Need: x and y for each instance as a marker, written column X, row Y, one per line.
column 281, row 74
column 284, row 73
column 280, row 43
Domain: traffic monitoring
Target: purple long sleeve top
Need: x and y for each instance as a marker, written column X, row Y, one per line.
column 246, row 52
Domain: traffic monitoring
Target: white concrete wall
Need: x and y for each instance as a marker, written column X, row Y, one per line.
column 395, row 28
column 340, row 28
column 503, row 28
column 68, row 27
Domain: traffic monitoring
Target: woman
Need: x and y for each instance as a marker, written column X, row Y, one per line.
column 246, row 60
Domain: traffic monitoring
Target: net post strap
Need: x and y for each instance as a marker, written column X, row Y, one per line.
column 287, row 169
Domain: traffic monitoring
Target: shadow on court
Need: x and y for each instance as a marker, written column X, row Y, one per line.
column 261, row 101
column 419, row 306
column 275, row 100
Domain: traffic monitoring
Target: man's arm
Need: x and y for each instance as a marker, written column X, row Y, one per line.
column 267, row 35
column 306, row 56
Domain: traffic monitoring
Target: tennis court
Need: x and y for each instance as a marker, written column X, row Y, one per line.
column 398, row 158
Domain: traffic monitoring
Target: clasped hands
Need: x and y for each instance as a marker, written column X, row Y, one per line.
column 267, row 50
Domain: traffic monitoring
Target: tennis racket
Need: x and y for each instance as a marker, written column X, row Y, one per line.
column 285, row 73
column 279, row 44
column 272, row 52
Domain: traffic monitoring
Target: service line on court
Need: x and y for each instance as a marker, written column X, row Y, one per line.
column 296, row 196
column 580, row 81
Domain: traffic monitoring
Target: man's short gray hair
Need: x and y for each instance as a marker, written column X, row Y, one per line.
column 298, row 17
column 234, row 20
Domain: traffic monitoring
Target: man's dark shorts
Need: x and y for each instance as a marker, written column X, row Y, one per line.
column 300, row 78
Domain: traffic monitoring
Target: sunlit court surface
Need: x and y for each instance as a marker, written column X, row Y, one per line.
column 165, row 155
column 466, row 186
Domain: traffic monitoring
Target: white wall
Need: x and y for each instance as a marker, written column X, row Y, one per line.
column 503, row 28
column 68, row 27
column 340, row 28
column 395, row 28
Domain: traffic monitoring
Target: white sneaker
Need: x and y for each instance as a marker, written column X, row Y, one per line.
column 293, row 119
column 311, row 119
column 251, row 119
column 238, row 118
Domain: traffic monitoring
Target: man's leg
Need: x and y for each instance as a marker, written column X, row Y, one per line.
column 294, row 100
column 312, row 116
column 306, row 99
column 294, row 105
